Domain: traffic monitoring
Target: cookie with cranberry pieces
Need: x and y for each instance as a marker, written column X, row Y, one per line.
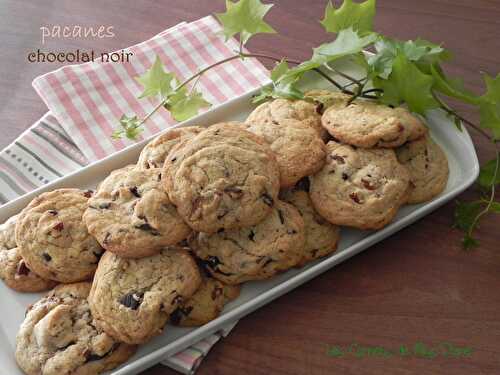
column 153, row 155
column 322, row 236
column 368, row 124
column 13, row 269
column 132, row 216
column 206, row 304
column 361, row 188
column 59, row 336
column 299, row 150
column 256, row 252
column 277, row 110
column 428, row 167
column 225, row 177
column 53, row 240
column 132, row 299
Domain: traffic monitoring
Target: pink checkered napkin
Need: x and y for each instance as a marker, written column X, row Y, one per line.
column 88, row 99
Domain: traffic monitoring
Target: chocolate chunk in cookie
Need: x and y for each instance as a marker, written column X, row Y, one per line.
column 132, row 299
column 60, row 336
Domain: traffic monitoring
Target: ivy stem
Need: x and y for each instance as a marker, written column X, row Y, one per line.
column 184, row 83
column 358, row 82
column 295, row 62
column 450, row 111
column 234, row 57
column 373, row 90
column 359, row 91
column 491, row 198
column 331, row 80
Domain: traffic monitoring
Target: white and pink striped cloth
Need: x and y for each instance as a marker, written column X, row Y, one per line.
column 86, row 102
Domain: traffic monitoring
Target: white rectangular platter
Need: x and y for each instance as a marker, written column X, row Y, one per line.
column 464, row 169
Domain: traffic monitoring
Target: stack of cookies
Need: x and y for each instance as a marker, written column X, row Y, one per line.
column 172, row 238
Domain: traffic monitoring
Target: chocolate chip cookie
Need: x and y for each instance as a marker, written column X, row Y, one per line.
column 13, row 269
column 154, row 153
column 325, row 99
column 361, row 188
column 225, row 177
column 59, row 336
column 428, row 168
column 206, row 304
column 131, row 214
column 367, row 124
column 256, row 252
column 321, row 236
column 298, row 148
column 277, row 110
column 132, row 299
column 54, row 241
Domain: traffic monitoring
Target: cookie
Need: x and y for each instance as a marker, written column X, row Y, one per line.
column 325, row 99
column 256, row 252
column 132, row 299
column 59, row 336
column 131, row 214
column 13, row 269
column 154, row 153
column 428, row 168
column 277, row 110
column 367, row 124
column 298, row 148
column 54, row 241
column 361, row 188
column 322, row 237
column 225, row 177
column 206, row 304
column 8, row 234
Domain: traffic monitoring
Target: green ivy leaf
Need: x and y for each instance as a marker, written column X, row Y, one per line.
column 358, row 16
column 468, row 242
column 492, row 88
column 420, row 51
column 130, row 127
column 487, row 173
column 263, row 95
column 452, row 87
column 465, row 214
column 245, row 17
column 495, row 207
column 489, row 106
column 465, row 218
column 283, row 86
column 407, row 84
column 183, row 106
column 279, row 70
column 490, row 117
column 347, row 43
column 156, row 81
